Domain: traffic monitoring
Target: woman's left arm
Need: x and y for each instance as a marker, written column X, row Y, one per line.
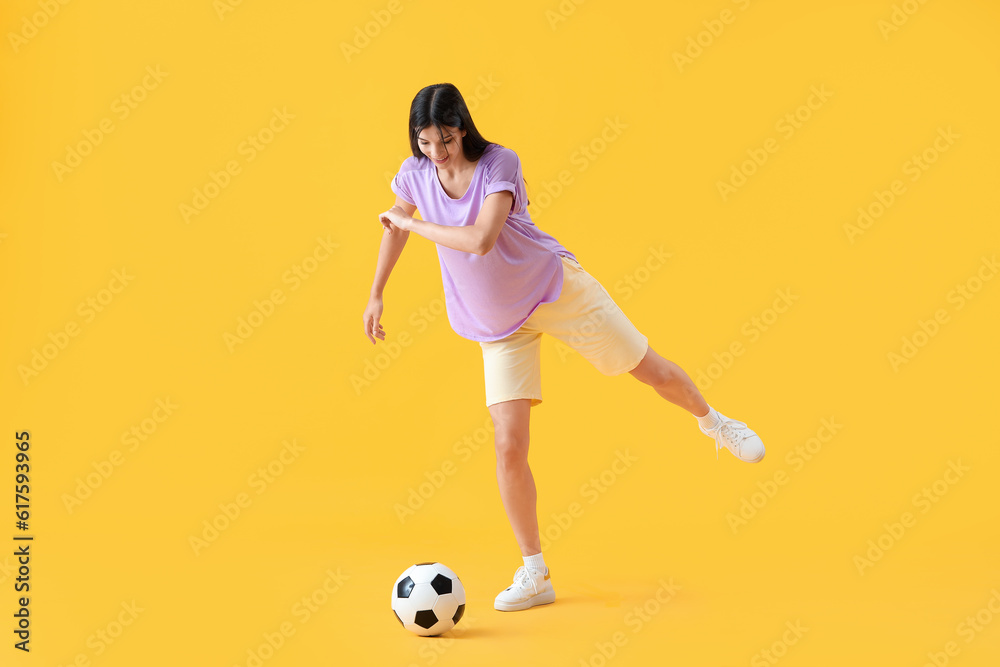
column 477, row 238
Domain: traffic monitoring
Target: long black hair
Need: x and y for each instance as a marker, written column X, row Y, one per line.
column 442, row 104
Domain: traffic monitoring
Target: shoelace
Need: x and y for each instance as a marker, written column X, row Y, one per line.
column 730, row 430
column 522, row 579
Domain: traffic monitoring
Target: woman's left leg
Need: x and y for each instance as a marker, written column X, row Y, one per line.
column 671, row 382
column 586, row 318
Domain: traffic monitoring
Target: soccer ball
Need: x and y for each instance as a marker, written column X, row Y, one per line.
column 428, row 599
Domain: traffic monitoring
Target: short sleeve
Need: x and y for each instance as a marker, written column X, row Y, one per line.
column 503, row 172
column 400, row 187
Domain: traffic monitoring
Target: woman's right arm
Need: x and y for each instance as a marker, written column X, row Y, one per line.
column 389, row 251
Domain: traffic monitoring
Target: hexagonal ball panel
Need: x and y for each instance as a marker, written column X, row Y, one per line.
column 422, row 597
column 446, row 606
column 422, row 573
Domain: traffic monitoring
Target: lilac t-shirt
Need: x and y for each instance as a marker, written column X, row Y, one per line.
column 487, row 296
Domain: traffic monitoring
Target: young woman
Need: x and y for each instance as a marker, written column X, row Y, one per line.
column 506, row 282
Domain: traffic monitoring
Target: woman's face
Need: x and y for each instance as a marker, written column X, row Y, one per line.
column 442, row 151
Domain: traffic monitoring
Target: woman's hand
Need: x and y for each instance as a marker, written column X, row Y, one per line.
column 395, row 218
column 373, row 313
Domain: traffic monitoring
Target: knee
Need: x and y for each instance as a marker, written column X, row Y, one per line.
column 511, row 448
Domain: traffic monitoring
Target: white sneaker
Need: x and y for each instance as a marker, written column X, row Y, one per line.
column 530, row 588
column 737, row 438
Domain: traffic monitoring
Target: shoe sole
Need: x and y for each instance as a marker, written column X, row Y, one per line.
column 547, row 597
column 759, row 458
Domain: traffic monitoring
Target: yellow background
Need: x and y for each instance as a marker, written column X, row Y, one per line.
column 545, row 88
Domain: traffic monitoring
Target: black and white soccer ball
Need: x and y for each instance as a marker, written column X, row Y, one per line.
column 428, row 599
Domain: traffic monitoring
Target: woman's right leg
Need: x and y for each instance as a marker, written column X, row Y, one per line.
column 517, row 485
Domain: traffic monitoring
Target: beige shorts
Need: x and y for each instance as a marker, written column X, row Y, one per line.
column 585, row 317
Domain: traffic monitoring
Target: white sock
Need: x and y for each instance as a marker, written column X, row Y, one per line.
column 535, row 562
column 709, row 421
